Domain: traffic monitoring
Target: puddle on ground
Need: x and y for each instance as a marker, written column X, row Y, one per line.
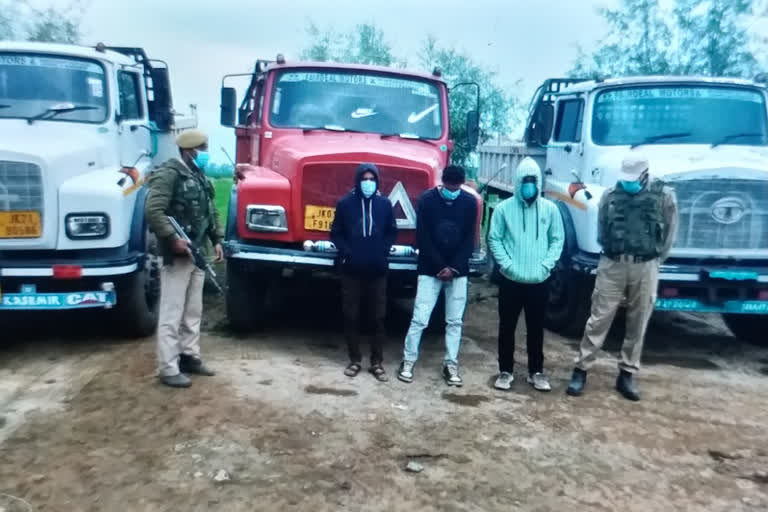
column 315, row 390
column 468, row 400
column 267, row 382
column 764, row 370
column 693, row 363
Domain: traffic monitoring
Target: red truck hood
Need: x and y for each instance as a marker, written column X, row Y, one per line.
column 321, row 168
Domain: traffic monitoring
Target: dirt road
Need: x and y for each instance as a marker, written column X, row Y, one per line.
column 85, row 427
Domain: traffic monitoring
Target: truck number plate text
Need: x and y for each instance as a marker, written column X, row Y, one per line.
column 20, row 225
column 318, row 218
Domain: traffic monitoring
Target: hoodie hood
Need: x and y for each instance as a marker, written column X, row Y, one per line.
column 362, row 169
column 527, row 167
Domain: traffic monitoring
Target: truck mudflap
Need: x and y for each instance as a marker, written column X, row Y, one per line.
column 29, row 299
column 295, row 258
column 703, row 287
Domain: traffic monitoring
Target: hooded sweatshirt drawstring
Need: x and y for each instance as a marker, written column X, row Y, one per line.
column 367, row 223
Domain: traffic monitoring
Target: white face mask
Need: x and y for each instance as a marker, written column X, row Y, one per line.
column 368, row 187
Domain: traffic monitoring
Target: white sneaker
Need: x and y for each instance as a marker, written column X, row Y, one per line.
column 539, row 382
column 405, row 373
column 504, row 381
column 451, row 375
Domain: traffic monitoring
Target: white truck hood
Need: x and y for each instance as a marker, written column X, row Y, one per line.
column 678, row 161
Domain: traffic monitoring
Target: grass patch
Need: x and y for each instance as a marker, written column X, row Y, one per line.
column 222, row 188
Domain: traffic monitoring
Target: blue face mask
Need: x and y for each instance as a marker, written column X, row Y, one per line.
column 631, row 187
column 448, row 195
column 201, row 159
column 528, row 191
column 368, row 187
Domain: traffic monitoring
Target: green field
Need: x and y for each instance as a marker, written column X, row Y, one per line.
column 223, row 187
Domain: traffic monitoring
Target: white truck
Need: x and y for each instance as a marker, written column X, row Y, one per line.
column 80, row 127
column 706, row 137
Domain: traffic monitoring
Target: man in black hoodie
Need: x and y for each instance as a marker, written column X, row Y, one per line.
column 363, row 232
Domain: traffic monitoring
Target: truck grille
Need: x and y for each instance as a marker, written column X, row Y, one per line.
column 722, row 214
column 21, row 187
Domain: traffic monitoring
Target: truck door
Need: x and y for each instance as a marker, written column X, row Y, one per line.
column 565, row 150
column 133, row 125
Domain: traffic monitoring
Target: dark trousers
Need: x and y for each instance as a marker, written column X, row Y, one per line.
column 532, row 298
column 361, row 292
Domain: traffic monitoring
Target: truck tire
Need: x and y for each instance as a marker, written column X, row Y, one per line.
column 570, row 292
column 749, row 328
column 245, row 297
column 138, row 296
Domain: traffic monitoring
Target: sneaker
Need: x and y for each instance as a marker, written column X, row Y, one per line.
column 504, row 381
column 539, row 382
column 626, row 387
column 194, row 366
column 451, row 375
column 578, row 381
column 176, row 381
column 405, row 373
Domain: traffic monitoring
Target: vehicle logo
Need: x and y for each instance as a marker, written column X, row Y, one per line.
column 399, row 195
column 416, row 117
column 363, row 112
column 729, row 210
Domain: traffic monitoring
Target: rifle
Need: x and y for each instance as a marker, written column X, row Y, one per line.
column 197, row 254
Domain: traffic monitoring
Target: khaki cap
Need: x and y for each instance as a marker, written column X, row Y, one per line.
column 633, row 166
column 191, row 139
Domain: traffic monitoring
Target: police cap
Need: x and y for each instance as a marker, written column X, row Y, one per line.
column 191, row 139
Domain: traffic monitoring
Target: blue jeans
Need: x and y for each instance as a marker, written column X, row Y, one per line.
column 427, row 292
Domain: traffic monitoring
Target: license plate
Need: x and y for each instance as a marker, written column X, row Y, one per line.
column 318, row 218
column 20, row 225
column 29, row 299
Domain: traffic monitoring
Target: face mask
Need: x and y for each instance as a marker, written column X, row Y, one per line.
column 201, row 159
column 448, row 195
column 632, row 187
column 528, row 191
column 368, row 187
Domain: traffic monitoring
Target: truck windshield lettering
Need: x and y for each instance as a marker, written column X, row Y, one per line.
column 32, row 83
column 355, row 101
column 633, row 115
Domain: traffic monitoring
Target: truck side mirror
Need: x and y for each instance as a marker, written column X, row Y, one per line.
column 161, row 106
column 473, row 128
column 228, row 106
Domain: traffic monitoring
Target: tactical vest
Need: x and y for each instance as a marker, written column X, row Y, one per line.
column 191, row 205
column 634, row 224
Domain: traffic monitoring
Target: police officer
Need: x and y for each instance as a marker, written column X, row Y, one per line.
column 180, row 189
column 637, row 225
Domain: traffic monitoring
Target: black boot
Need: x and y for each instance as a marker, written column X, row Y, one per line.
column 578, row 380
column 625, row 386
column 194, row 366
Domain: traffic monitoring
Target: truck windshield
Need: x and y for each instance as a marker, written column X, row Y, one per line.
column 690, row 114
column 33, row 84
column 355, row 101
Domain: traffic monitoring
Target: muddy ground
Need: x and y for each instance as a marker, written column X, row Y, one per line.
column 84, row 426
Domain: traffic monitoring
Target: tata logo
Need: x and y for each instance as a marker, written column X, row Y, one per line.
column 729, row 210
column 399, row 195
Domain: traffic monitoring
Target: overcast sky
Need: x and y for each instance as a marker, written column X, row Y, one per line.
column 528, row 40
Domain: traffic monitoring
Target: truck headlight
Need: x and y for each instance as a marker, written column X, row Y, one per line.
column 266, row 217
column 87, row 225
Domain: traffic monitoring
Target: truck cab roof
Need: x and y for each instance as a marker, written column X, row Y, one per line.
column 590, row 85
column 70, row 50
column 354, row 67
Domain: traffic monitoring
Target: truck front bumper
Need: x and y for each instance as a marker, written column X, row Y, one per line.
column 63, row 280
column 298, row 259
column 704, row 286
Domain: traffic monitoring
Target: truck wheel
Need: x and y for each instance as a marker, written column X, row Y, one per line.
column 749, row 328
column 138, row 296
column 246, row 303
column 570, row 292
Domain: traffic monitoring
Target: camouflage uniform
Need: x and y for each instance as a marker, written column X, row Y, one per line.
column 187, row 195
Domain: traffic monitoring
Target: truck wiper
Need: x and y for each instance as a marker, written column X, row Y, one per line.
column 656, row 138
column 62, row 108
column 732, row 136
column 329, row 128
column 407, row 136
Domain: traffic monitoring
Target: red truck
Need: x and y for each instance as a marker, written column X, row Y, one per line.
column 302, row 128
